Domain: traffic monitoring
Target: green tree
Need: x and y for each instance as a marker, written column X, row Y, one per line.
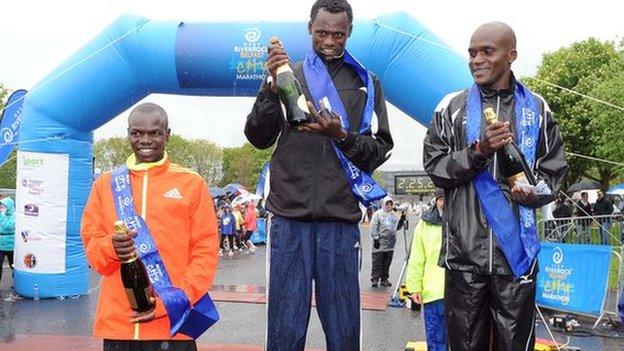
column 581, row 67
column 177, row 149
column 607, row 127
column 4, row 92
column 110, row 153
column 243, row 165
column 8, row 171
column 200, row 155
column 206, row 158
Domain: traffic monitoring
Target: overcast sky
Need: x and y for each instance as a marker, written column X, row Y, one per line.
column 39, row 35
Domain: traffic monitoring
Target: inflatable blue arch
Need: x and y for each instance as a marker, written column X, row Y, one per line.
column 135, row 57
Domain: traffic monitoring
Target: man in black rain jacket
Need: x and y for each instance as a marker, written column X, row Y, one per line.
column 483, row 295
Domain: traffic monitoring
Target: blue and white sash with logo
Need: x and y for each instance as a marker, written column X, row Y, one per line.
column 189, row 321
column 517, row 239
column 362, row 185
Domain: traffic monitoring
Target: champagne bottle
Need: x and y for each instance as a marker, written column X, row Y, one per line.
column 290, row 92
column 513, row 164
column 134, row 278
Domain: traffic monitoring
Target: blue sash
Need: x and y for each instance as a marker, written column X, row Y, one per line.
column 517, row 239
column 191, row 322
column 362, row 185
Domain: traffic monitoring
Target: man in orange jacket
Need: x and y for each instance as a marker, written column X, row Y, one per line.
column 175, row 204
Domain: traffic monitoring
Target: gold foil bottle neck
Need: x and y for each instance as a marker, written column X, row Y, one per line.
column 120, row 227
column 490, row 116
column 274, row 42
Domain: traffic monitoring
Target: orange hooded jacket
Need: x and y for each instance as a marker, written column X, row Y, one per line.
column 178, row 209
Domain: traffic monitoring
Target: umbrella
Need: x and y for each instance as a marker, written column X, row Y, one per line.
column 243, row 198
column 616, row 190
column 234, row 189
column 588, row 185
column 215, row 191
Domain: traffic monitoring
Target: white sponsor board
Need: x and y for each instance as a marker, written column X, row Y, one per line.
column 41, row 212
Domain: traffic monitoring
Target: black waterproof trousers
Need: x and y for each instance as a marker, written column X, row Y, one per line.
column 484, row 308
column 381, row 266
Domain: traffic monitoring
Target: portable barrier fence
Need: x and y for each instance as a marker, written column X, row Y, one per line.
column 581, row 265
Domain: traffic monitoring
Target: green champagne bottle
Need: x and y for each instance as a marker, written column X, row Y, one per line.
column 290, row 93
column 513, row 165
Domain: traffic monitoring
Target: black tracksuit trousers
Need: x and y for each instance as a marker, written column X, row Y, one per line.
column 481, row 308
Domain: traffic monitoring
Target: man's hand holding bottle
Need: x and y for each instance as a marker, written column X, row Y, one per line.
column 124, row 245
column 277, row 57
column 324, row 121
column 497, row 135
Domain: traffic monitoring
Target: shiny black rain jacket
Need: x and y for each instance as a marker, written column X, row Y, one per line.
column 468, row 243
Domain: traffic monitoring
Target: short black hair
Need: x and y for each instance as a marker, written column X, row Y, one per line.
column 333, row 6
column 150, row 107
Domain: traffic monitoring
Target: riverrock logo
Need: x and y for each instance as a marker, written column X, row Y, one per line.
column 367, row 188
column 144, row 248
column 252, row 35
column 31, row 210
column 557, row 255
column 248, row 59
column 7, row 135
column 30, row 260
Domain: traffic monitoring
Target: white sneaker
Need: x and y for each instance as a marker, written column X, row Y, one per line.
column 231, row 253
column 220, row 253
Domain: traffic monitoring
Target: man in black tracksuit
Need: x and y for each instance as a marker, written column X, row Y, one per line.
column 482, row 295
column 314, row 234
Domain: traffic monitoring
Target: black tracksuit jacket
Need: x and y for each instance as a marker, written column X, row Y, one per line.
column 468, row 244
column 307, row 182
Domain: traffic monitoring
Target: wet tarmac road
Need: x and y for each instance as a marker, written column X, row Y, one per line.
column 66, row 324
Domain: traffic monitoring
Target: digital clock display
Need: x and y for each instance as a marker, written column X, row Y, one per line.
column 413, row 184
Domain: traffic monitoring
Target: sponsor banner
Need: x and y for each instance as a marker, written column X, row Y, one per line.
column 11, row 122
column 243, row 60
column 573, row 277
column 41, row 212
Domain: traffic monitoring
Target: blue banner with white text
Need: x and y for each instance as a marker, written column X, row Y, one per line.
column 573, row 277
column 10, row 124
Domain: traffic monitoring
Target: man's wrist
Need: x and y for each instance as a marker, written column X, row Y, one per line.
column 476, row 157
